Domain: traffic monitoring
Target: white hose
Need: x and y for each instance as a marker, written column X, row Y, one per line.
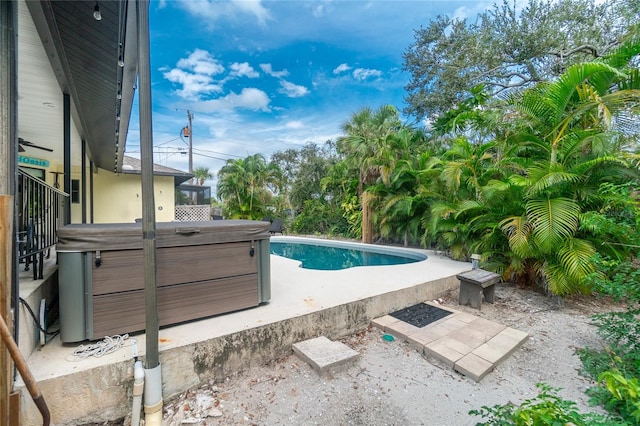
column 138, row 388
column 153, row 396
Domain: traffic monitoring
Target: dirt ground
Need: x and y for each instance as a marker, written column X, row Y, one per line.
column 392, row 384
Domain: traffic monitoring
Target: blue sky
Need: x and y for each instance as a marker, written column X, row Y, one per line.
column 263, row 76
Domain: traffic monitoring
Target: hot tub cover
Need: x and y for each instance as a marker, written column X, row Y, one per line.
column 124, row 236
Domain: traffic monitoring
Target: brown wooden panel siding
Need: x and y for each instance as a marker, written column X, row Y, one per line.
column 124, row 271
column 124, row 312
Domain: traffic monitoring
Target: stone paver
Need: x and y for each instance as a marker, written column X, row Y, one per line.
column 384, row 322
column 474, row 367
column 471, row 345
column 324, row 355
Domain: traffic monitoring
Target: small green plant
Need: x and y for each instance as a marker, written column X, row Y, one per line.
column 547, row 408
column 625, row 394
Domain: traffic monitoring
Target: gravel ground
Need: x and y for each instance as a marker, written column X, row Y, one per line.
column 392, row 384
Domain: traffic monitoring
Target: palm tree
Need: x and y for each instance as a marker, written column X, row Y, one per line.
column 201, row 174
column 568, row 139
column 246, row 185
column 364, row 134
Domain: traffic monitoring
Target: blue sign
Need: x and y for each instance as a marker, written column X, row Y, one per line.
column 33, row 161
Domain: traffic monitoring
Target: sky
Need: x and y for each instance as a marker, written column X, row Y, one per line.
column 265, row 76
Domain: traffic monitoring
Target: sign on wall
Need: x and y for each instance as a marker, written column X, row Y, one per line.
column 23, row 159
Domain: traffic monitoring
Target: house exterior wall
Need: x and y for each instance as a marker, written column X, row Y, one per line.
column 118, row 198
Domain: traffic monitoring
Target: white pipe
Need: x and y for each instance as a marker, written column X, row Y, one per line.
column 153, row 396
column 138, row 387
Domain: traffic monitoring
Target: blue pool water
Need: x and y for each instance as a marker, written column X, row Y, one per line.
column 333, row 258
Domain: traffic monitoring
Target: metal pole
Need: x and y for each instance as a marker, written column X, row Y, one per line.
column 66, row 102
column 148, row 202
column 153, row 371
column 190, row 141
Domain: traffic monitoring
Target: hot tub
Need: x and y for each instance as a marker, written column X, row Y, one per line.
column 203, row 269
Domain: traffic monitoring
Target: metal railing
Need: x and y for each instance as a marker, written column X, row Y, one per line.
column 40, row 214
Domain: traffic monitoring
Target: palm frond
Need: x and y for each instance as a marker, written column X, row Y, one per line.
column 518, row 230
column 553, row 220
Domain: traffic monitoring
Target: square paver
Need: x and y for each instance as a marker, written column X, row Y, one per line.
column 469, row 336
column 489, row 328
column 401, row 329
column 324, row 355
column 384, row 322
column 473, row 367
column 442, row 352
column 424, row 336
column 502, row 345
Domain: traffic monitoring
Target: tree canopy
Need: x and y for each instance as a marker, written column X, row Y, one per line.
column 507, row 49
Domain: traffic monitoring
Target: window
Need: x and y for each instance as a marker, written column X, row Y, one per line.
column 75, row 191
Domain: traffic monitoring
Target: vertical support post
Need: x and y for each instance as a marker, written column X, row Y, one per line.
column 8, row 188
column 91, row 191
column 190, row 116
column 153, row 375
column 6, row 248
column 66, row 118
column 83, row 182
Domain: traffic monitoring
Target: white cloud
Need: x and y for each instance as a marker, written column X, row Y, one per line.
column 296, row 124
column 193, row 85
column 195, row 74
column 365, row 73
column 269, row 70
column 201, row 62
column 253, row 7
column 212, row 10
column 292, row 90
column 341, row 68
column 243, row 70
column 249, row 98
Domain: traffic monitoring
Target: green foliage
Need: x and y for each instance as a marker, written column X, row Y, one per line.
column 509, row 47
column 547, row 408
column 625, row 394
column 353, row 215
column 201, row 174
column 617, row 367
column 320, row 218
column 246, row 186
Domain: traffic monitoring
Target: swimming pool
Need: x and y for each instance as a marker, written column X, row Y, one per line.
column 330, row 255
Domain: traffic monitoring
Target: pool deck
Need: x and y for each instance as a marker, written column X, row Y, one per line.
column 304, row 304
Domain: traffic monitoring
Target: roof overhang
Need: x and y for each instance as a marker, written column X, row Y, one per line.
column 96, row 63
column 133, row 166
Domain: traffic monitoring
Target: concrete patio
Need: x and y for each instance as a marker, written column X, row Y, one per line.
column 304, row 304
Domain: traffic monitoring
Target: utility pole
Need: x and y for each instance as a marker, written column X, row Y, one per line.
column 190, row 116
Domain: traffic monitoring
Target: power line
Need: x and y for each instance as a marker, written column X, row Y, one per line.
column 241, row 122
column 216, row 152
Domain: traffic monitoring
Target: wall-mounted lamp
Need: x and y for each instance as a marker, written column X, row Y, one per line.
column 96, row 12
column 120, row 61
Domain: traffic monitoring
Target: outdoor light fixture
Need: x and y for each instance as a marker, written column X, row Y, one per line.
column 120, row 61
column 96, row 12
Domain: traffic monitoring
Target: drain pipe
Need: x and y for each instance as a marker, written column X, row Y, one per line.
column 153, row 396
column 25, row 373
column 138, row 388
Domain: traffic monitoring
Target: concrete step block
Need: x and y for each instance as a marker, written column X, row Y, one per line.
column 324, row 355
